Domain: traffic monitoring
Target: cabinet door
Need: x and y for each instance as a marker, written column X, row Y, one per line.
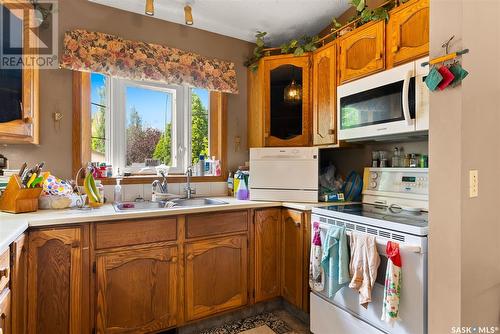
column 267, row 251
column 216, row 275
column 19, row 284
column 55, row 281
column 19, row 89
column 287, row 122
column 292, row 256
column 136, row 290
column 324, row 97
column 5, row 313
column 408, row 32
column 362, row 52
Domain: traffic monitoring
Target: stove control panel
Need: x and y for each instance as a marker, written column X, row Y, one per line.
column 397, row 180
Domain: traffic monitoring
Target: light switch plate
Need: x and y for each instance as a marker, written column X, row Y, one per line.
column 473, row 183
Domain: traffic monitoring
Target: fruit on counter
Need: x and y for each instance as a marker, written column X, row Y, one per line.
column 91, row 189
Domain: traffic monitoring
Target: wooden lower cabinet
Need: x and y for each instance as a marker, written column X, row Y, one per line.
column 267, row 253
column 292, row 251
column 136, row 290
column 216, row 275
column 19, row 284
column 5, row 312
column 56, row 276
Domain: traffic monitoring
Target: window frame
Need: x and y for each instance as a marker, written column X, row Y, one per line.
column 81, row 119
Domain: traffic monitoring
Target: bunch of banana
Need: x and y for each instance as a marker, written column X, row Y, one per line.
column 91, row 190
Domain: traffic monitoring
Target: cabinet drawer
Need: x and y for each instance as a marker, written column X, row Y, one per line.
column 4, row 269
column 135, row 232
column 5, row 325
column 216, row 223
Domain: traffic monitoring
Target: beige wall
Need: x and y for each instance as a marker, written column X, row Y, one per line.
column 55, row 85
column 464, row 245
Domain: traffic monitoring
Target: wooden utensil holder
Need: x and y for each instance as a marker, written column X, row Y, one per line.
column 16, row 199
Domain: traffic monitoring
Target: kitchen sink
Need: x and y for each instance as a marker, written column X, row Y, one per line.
column 177, row 203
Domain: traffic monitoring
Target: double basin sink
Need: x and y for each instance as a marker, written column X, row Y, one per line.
column 176, row 203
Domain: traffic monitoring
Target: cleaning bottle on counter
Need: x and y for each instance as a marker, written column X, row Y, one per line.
column 242, row 191
column 201, row 166
column 230, row 184
column 118, row 192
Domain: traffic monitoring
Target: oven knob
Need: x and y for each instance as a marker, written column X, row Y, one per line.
column 374, row 175
column 373, row 184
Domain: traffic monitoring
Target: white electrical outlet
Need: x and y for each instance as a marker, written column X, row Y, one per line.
column 473, row 183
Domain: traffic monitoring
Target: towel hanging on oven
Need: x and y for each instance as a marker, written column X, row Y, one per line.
column 392, row 288
column 316, row 272
column 335, row 259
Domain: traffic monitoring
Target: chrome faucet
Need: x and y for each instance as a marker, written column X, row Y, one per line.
column 187, row 189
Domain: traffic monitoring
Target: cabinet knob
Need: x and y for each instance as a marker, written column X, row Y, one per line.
column 190, row 257
column 28, row 120
column 173, row 259
column 297, row 224
column 4, row 273
column 331, row 131
column 395, row 48
column 3, row 316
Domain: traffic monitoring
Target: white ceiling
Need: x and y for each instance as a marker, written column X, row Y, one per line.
column 282, row 19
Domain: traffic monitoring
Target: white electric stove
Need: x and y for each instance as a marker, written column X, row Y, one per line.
column 394, row 207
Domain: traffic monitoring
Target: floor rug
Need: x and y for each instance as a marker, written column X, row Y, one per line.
column 274, row 323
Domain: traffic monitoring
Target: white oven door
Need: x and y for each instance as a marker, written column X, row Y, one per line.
column 413, row 303
column 378, row 105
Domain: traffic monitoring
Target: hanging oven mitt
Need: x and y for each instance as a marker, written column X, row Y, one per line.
column 392, row 287
column 447, row 77
column 433, row 79
column 459, row 73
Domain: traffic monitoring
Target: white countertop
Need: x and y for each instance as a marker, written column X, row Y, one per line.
column 13, row 225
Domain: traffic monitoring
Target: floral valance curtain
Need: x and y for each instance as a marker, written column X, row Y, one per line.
column 114, row 56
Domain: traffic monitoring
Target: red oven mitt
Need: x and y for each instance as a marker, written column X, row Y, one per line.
column 447, row 77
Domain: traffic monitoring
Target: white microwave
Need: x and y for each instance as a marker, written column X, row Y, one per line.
column 392, row 102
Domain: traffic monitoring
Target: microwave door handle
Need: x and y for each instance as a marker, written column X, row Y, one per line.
column 406, row 97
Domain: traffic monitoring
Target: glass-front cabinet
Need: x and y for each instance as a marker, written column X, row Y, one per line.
column 18, row 86
column 286, row 101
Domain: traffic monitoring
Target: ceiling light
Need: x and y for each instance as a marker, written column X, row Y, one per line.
column 188, row 15
column 150, row 7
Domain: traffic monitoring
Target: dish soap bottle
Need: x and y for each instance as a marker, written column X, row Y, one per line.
column 242, row 191
column 118, row 192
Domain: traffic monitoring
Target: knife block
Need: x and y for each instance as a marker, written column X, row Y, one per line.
column 16, row 199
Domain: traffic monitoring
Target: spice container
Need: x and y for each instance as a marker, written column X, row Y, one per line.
column 424, row 161
column 414, row 160
column 406, row 161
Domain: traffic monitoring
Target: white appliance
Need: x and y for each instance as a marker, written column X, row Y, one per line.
column 391, row 102
column 284, row 174
column 391, row 210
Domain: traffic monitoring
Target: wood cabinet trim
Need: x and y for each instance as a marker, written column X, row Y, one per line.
column 216, row 224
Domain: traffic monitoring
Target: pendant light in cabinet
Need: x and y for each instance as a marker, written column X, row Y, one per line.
column 188, row 15
column 293, row 93
column 150, row 8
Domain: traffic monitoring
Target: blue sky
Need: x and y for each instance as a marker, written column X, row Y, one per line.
column 150, row 104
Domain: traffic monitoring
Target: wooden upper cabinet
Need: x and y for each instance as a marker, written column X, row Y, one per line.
column 292, row 255
column 136, row 290
column 408, row 32
column 19, row 88
column 215, row 275
column 55, row 281
column 362, row 51
column 267, row 253
column 19, row 284
column 324, row 95
column 287, row 123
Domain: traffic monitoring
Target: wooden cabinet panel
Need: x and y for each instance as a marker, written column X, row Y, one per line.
column 136, row 290
column 217, row 223
column 267, row 253
column 324, row 96
column 408, row 32
column 5, row 313
column 4, row 269
column 287, row 67
column 216, row 275
column 362, row 52
column 135, row 232
column 21, row 100
column 19, row 284
column 292, row 256
column 55, row 281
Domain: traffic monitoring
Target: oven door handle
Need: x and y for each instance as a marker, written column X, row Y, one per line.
column 406, row 98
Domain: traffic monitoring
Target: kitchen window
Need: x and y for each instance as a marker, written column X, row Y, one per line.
column 138, row 124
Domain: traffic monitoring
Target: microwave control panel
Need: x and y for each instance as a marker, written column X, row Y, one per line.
column 397, row 180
